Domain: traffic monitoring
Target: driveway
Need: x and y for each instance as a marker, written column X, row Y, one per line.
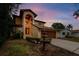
column 65, row 44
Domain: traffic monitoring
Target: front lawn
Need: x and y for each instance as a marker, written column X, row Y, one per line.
column 25, row 48
column 19, row 47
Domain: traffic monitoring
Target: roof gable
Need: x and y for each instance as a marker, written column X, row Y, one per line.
column 39, row 21
column 23, row 10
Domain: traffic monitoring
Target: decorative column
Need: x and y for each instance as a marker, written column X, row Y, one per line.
column 24, row 37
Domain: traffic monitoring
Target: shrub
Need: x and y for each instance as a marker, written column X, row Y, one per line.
column 38, row 40
column 2, row 40
column 33, row 40
column 70, row 37
column 18, row 35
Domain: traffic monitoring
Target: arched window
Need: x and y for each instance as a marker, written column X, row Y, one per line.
column 28, row 16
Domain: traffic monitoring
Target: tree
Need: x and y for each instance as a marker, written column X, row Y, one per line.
column 6, row 21
column 58, row 26
column 76, row 14
column 69, row 27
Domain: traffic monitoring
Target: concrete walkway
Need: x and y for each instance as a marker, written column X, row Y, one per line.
column 65, row 44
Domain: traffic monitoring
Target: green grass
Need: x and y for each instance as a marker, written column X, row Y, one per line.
column 25, row 48
column 19, row 48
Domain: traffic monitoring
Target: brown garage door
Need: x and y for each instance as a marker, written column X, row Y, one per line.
column 49, row 34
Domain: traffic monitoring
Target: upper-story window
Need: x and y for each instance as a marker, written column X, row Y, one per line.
column 28, row 16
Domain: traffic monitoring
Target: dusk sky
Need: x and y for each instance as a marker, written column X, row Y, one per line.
column 54, row 12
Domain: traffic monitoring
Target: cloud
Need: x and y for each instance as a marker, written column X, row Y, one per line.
column 41, row 11
column 52, row 15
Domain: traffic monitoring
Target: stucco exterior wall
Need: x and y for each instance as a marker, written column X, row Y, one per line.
column 36, row 32
column 61, row 35
column 18, row 21
column 40, row 24
column 27, row 25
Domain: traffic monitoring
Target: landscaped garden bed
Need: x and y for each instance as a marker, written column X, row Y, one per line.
column 24, row 48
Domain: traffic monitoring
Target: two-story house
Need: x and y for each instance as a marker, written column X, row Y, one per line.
column 27, row 24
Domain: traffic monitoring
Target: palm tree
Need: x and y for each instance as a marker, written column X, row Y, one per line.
column 76, row 14
column 69, row 27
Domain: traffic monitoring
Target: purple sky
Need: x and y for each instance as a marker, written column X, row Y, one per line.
column 54, row 12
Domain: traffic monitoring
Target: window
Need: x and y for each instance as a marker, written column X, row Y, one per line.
column 63, row 33
column 27, row 30
column 26, row 22
column 28, row 17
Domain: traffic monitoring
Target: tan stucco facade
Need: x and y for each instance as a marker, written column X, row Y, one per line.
column 25, row 25
column 36, row 32
column 18, row 21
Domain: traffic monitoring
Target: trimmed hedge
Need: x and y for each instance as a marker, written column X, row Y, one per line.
column 38, row 40
column 2, row 40
column 33, row 40
column 18, row 35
